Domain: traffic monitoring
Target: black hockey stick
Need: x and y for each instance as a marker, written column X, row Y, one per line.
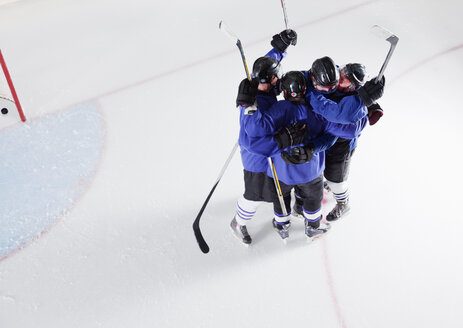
column 389, row 37
column 197, row 230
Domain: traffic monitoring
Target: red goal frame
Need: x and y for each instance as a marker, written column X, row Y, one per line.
column 12, row 89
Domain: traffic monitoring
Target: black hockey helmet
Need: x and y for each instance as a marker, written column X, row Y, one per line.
column 325, row 72
column 356, row 73
column 294, row 83
column 266, row 67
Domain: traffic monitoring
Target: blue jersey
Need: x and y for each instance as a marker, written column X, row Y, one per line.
column 337, row 107
column 348, row 110
column 252, row 148
column 262, row 125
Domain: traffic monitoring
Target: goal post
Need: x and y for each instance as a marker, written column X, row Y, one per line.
column 11, row 87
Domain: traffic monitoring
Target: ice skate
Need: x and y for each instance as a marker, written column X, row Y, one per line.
column 313, row 233
column 341, row 209
column 282, row 229
column 241, row 232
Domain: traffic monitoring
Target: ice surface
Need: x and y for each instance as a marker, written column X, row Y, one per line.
column 153, row 85
column 46, row 165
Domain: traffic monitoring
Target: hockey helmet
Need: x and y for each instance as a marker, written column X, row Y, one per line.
column 356, row 73
column 325, row 72
column 266, row 67
column 294, row 84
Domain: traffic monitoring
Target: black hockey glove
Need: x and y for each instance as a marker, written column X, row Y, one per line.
column 291, row 135
column 374, row 113
column 371, row 91
column 284, row 39
column 298, row 155
column 247, row 92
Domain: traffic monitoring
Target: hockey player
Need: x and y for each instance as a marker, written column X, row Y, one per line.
column 306, row 177
column 342, row 102
column 258, row 93
column 338, row 157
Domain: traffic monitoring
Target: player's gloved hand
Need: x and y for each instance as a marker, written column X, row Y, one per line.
column 291, row 135
column 298, row 155
column 372, row 91
column 284, row 39
column 247, row 92
column 374, row 113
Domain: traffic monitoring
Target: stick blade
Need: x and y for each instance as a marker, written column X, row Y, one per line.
column 224, row 28
column 382, row 33
column 200, row 239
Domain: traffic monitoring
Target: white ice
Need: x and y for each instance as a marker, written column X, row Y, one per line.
column 131, row 115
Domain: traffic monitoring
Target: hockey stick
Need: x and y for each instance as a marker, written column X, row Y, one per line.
column 199, row 236
column 277, row 186
column 197, row 230
column 283, row 5
column 237, row 41
column 389, row 37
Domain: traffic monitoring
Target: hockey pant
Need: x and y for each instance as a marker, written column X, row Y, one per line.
column 311, row 195
column 256, row 191
column 336, row 172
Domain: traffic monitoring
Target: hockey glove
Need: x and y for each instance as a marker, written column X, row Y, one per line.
column 298, row 155
column 374, row 113
column 284, row 39
column 371, row 91
column 291, row 135
column 247, row 92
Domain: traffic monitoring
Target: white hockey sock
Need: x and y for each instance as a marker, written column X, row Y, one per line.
column 281, row 219
column 312, row 216
column 245, row 210
column 340, row 190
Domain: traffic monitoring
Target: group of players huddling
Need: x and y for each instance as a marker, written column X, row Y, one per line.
column 310, row 137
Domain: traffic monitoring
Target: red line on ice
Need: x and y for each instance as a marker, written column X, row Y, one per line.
column 329, row 278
